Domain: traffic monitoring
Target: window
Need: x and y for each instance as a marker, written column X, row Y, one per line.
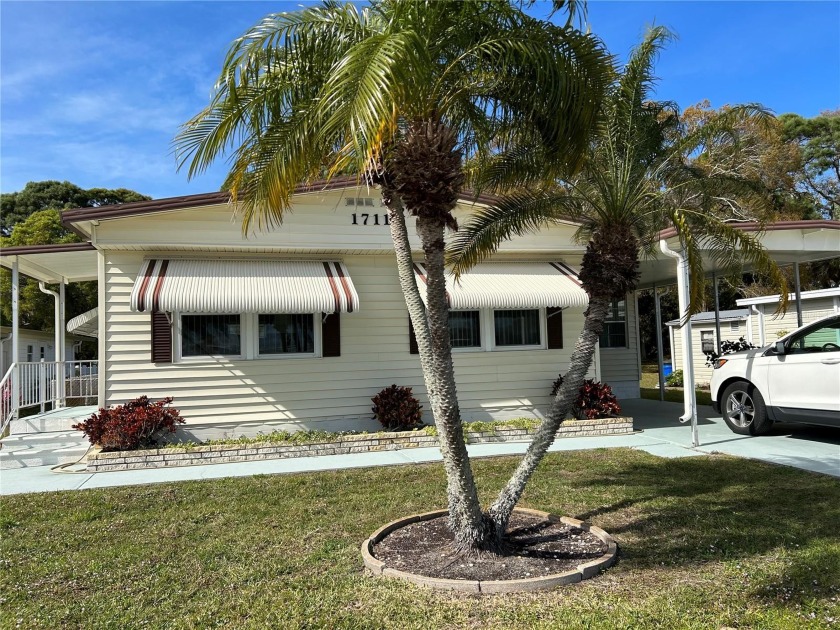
column 707, row 341
column 211, row 335
column 517, row 328
column 614, row 334
column 43, row 353
column 465, row 329
column 825, row 338
column 30, row 353
column 734, row 326
column 286, row 334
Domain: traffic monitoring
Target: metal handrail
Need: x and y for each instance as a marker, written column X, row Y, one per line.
column 41, row 383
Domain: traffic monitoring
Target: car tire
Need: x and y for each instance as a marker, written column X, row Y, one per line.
column 744, row 410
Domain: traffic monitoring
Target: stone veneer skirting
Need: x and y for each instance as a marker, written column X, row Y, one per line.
column 342, row 445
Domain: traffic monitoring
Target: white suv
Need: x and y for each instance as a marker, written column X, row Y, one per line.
column 797, row 379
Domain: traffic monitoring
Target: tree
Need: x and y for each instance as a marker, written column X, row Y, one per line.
column 17, row 206
column 403, row 92
column 31, row 217
column 819, row 139
column 640, row 176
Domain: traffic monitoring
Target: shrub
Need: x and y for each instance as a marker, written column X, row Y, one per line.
column 396, row 408
column 728, row 346
column 675, row 379
column 136, row 424
column 595, row 400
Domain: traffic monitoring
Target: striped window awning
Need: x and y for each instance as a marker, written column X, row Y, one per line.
column 511, row 285
column 86, row 324
column 243, row 286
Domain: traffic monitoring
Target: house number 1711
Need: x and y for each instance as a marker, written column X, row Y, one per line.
column 367, row 218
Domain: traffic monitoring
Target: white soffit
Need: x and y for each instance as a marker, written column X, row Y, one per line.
column 243, row 286
column 511, row 285
column 86, row 324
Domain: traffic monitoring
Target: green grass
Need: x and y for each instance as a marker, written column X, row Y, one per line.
column 650, row 388
column 705, row 542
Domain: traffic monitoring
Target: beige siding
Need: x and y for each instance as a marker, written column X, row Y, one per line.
column 702, row 373
column 620, row 366
column 293, row 392
column 776, row 325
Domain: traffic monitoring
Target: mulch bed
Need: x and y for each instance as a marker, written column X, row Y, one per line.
column 536, row 548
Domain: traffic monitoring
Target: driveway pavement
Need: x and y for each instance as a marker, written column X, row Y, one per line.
column 660, row 433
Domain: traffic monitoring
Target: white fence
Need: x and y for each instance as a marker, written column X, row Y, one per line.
column 46, row 383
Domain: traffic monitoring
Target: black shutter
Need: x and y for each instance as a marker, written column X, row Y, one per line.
column 161, row 338
column 412, row 339
column 331, row 335
column 554, row 324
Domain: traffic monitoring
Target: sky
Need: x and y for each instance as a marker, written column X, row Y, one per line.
column 94, row 92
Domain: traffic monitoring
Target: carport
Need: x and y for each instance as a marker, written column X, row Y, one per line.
column 790, row 243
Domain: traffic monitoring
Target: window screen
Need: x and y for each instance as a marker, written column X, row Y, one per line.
column 465, row 329
column 517, row 328
column 203, row 335
column 286, row 334
column 614, row 334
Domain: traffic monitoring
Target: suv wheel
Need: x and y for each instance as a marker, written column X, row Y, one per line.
column 744, row 411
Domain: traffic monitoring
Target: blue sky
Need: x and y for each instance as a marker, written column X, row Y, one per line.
column 93, row 92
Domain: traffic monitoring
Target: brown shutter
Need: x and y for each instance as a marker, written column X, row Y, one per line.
column 554, row 324
column 412, row 339
column 331, row 335
column 161, row 338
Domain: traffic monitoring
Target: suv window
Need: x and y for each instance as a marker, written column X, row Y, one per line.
column 825, row 338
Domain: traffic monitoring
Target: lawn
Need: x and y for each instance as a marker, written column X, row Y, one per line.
column 705, row 542
column 650, row 387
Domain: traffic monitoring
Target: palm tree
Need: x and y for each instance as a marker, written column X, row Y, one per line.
column 402, row 91
column 640, row 176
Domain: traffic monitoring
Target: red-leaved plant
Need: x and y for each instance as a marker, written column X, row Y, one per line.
column 396, row 408
column 136, row 424
column 595, row 400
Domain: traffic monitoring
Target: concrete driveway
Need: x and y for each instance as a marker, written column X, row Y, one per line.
column 811, row 448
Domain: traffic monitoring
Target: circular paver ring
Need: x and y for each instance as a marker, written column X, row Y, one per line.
column 582, row 572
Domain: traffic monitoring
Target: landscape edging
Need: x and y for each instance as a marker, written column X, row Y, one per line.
column 343, row 444
column 584, row 571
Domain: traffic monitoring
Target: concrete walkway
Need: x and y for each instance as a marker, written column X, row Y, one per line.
column 813, row 449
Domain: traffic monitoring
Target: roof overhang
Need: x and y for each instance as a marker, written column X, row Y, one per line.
column 788, row 242
column 68, row 262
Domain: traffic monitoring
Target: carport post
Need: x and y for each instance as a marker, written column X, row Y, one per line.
column 659, row 360
column 15, row 402
column 717, row 313
column 798, row 294
column 61, row 350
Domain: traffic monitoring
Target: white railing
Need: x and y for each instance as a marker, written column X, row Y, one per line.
column 46, row 383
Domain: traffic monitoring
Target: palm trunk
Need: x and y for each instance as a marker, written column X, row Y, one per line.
column 472, row 529
column 581, row 360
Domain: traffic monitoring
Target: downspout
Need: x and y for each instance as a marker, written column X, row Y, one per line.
column 59, row 338
column 760, row 314
column 689, row 395
column 57, row 320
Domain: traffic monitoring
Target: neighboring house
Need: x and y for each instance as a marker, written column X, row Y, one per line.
column 757, row 323
column 765, row 325
column 299, row 326
column 733, row 326
column 34, row 346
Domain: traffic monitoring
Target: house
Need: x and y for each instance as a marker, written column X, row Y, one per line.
column 733, row 326
column 300, row 325
column 35, row 345
column 765, row 325
column 757, row 322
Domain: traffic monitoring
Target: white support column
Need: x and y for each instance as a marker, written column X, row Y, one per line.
column 660, row 361
column 798, row 294
column 15, row 335
column 61, row 350
column 689, row 395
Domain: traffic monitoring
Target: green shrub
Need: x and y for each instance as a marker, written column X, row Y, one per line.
column 674, row 379
column 397, row 409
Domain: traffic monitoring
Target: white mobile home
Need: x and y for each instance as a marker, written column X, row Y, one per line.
column 300, row 326
column 35, row 345
column 764, row 325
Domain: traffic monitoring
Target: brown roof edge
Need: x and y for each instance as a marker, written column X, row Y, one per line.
column 68, row 217
column 46, row 249
column 753, row 226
